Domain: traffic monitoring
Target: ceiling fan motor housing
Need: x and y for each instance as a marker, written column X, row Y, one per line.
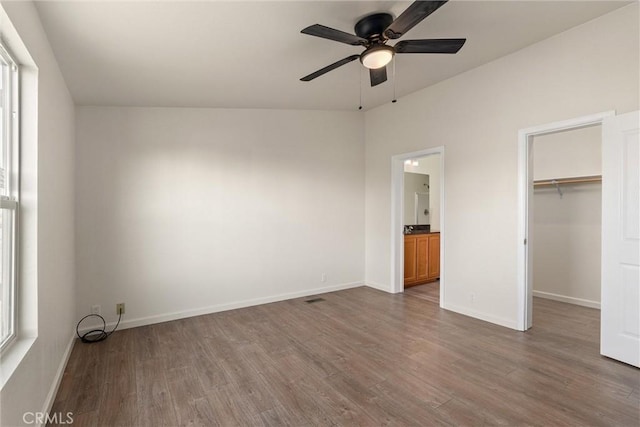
column 372, row 27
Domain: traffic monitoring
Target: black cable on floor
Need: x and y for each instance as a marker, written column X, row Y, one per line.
column 96, row 335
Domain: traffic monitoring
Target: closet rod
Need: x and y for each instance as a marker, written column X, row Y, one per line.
column 574, row 180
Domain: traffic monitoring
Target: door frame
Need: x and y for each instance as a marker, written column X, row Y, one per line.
column 397, row 217
column 525, row 205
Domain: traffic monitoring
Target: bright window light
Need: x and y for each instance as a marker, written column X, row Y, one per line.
column 8, row 195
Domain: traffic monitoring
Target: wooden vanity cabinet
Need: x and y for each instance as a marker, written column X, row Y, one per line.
column 421, row 258
column 410, row 258
column 433, row 263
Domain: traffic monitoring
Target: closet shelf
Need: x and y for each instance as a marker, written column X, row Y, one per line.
column 572, row 180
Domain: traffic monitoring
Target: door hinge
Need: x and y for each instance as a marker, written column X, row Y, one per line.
column 525, row 241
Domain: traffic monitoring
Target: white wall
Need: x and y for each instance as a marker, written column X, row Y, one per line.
column 577, row 152
column 47, row 224
column 476, row 116
column 187, row 211
column 566, row 230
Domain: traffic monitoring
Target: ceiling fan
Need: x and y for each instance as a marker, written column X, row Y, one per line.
column 373, row 32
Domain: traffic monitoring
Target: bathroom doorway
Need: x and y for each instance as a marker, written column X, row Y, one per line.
column 417, row 223
column 422, row 227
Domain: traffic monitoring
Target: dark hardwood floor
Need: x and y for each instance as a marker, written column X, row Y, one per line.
column 360, row 357
column 429, row 291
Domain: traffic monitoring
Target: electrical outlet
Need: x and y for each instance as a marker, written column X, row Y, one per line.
column 120, row 308
column 472, row 296
column 323, row 278
column 95, row 309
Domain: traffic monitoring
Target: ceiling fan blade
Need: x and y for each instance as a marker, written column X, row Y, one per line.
column 410, row 17
column 333, row 34
column 329, row 68
column 430, row 46
column 378, row 75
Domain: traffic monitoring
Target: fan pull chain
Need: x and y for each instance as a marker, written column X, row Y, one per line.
column 394, row 100
column 360, row 72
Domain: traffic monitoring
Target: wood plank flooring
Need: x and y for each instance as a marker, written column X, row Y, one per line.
column 428, row 291
column 360, row 357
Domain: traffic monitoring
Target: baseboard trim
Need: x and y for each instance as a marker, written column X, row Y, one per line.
column 53, row 391
column 569, row 300
column 507, row 323
column 379, row 286
column 160, row 318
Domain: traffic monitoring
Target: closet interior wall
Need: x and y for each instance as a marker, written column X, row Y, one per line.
column 567, row 216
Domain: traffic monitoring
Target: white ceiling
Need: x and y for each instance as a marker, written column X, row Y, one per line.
column 245, row 54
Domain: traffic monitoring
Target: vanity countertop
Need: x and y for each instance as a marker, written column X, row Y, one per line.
column 411, row 233
column 418, row 229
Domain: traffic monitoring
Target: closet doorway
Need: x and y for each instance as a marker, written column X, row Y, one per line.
column 619, row 318
column 561, row 160
column 566, row 226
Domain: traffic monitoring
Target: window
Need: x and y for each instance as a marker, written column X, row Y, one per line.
column 8, row 195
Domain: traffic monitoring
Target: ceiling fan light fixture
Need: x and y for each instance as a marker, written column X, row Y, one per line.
column 377, row 56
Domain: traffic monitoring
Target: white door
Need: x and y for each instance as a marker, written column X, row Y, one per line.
column 620, row 307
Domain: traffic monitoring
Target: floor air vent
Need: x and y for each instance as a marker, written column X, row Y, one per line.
column 312, row 300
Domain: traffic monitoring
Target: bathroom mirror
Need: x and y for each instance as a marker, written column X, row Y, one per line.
column 416, row 199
